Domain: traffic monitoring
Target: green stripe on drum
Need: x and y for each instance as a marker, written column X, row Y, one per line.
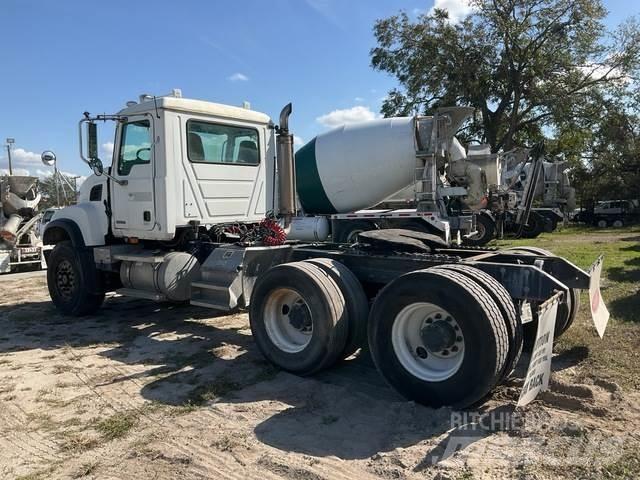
column 310, row 190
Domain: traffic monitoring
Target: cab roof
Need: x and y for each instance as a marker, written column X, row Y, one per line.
column 197, row 106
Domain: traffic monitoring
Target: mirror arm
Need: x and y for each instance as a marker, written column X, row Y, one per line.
column 87, row 119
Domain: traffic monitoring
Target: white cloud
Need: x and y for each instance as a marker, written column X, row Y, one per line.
column 238, row 77
column 298, row 141
column 16, row 171
column 20, row 155
column 27, row 163
column 346, row 116
column 458, row 9
column 358, row 99
column 107, row 149
column 597, row 71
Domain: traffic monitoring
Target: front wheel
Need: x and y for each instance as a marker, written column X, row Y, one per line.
column 67, row 283
column 485, row 230
column 534, row 227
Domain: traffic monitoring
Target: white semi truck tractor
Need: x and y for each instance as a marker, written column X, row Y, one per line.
column 199, row 205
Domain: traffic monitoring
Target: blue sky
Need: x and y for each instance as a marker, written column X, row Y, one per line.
column 61, row 58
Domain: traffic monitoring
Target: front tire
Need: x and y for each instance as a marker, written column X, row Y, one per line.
column 485, row 231
column 67, row 283
column 438, row 338
column 534, row 227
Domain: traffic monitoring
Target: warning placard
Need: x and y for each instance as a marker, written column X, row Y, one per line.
column 599, row 312
column 539, row 371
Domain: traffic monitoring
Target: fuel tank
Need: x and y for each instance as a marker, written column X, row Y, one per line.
column 356, row 166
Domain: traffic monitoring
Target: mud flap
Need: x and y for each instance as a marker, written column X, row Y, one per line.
column 599, row 312
column 539, row 371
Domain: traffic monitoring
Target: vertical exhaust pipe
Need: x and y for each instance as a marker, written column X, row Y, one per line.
column 286, row 168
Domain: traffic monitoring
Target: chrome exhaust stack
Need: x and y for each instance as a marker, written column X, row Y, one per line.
column 286, row 168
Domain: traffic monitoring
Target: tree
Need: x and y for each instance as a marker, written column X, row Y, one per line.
column 610, row 167
column 532, row 68
column 65, row 191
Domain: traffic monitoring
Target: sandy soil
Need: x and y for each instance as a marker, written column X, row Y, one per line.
column 154, row 391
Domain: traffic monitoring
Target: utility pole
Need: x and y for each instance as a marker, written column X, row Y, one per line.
column 10, row 142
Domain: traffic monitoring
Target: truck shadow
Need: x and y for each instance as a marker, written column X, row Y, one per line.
column 184, row 357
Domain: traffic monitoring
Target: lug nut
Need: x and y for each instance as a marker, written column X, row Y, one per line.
column 458, row 338
column 449, row 319
column 445, row 352
column 438, row 316
column 421, row 352
column 429, row 320
column 454, row 348
column 456, row 328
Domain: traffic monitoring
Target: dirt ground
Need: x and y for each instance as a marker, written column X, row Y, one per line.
column 142, row 390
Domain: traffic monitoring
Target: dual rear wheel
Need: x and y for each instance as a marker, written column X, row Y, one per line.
column 440, row 336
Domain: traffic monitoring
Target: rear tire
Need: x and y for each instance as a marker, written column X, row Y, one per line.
column 567, row 309
column 298, row 318
column 417, row 314
column 347, row 231
column 67, row 283
column 357, row 304
column 504, row 302
column 485, row 228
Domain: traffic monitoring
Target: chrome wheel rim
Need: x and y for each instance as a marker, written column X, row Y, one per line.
column 288, row 321
column 428, row 341
column 65, row 279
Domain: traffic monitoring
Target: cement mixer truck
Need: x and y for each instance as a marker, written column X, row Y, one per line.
column 199, row 205
column 20, row 245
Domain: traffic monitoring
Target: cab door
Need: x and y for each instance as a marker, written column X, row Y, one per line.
column 133, row 198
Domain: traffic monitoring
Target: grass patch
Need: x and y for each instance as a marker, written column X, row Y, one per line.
column 615, row 357
column 85, row 469
column 117, row 425
column 77, row 442
column 220, row 387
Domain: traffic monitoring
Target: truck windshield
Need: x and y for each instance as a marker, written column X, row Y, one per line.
column 135, row 146
column 214, row 143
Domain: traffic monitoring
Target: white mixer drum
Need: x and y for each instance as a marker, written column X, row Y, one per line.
column 355, row 167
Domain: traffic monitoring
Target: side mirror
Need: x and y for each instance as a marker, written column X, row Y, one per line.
column 48, row 158
column 92, row 140
column 96, row 166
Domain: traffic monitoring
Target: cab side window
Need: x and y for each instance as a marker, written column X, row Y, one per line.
column 228, row 144
column 135, row 146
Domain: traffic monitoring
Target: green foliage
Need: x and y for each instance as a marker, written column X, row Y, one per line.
column 531, row 68
column 65, row 191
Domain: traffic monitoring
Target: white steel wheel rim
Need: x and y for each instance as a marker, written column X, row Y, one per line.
column 480, row 230
column 278, row 318
column 407, row 339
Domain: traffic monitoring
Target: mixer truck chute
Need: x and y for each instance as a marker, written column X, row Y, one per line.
column 195, row 217
column 20, row 245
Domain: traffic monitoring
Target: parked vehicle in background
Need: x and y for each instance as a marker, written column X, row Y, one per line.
column 610, row 213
